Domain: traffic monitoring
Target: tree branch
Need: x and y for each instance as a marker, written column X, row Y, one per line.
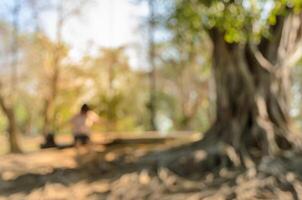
column 263, row 62
column 269, row 46
column 290, row 49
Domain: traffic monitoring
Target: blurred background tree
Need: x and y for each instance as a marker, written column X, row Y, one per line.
column 43, row 85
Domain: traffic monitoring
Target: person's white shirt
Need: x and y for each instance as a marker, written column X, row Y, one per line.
column 82, row 123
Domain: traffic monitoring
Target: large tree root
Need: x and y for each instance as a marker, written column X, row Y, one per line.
column 272, row 177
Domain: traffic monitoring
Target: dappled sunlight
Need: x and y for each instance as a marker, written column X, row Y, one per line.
column 150, row 99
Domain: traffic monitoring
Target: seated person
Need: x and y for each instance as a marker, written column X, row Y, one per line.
column 81, row 124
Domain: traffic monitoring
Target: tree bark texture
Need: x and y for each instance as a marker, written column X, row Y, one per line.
column 252, row 86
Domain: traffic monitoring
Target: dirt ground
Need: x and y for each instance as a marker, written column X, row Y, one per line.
column 130, row 172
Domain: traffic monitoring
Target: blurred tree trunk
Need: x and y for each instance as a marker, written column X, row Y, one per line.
column 12, row 126
column 252, row 87
column 46, row 117
column 9, row 108
column 152, row 74
column 50, row 113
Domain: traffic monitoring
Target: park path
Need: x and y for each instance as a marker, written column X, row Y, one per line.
column 70, row 174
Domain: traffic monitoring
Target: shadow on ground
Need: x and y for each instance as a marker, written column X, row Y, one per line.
column 148, row 172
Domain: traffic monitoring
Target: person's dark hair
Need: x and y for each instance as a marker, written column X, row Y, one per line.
column 84, row 109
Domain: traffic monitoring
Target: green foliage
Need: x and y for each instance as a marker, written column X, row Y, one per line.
column 239, row 20
column 230, row 18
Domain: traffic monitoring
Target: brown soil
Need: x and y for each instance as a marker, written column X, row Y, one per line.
column 132, row 172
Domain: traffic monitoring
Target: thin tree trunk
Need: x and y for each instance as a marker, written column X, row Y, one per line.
column 46, row 117
column 152, row 74
column 9, row 109
column 12, row 126
column 12, row 131
column 50, row 113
